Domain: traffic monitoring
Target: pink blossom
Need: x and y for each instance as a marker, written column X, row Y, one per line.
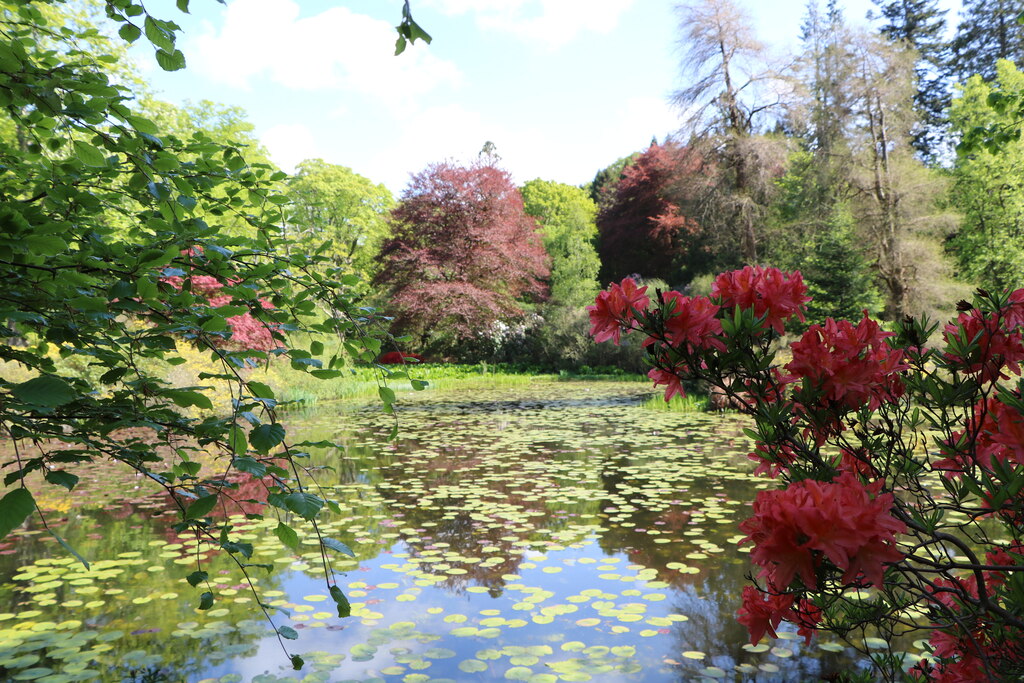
column 766, row 290
column 848, row 523
column 671, row 380
column 612, row 311
column 1000, row 347
column 691, row 322
column 850, row 365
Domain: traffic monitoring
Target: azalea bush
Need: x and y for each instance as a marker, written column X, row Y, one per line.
column 900, row 464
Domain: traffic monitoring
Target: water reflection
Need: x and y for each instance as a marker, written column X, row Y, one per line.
column 565, row 534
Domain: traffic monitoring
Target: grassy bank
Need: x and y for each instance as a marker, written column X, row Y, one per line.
column 361, row 382
column 691, row 403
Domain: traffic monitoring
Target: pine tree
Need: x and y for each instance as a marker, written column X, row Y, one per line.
column 921, row 26
column 988, row 31
column 825, row 70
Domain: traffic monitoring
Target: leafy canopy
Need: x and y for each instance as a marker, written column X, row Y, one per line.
column 118, row 249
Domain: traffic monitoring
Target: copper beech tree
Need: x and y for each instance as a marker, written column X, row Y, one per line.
column 642, row 229
column 463, row 255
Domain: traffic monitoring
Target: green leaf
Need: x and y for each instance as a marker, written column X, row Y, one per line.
column 253, row 467
column 288, row 632
column 305, row 505
column 182, row 5
column 45, row 245
column 186, row 398
column 206, row 600
column 45, row 391
column 387, row 395
column 129, row 32
column 344, row 609
column 64, row 544
column 316, row 348
column 201, row 507
column 297, row 663
column 260, row 390
column 266, row 436
column 326, row 374
column 89, row 155
column 237, row 441
column 418, row 384
column 337, row 545
column 158, row 35
column 170, row 61
column 15, row 508
column 62, row 478
column 196, row 578
column 287, row 535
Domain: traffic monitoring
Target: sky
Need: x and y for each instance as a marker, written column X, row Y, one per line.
column 563, row 88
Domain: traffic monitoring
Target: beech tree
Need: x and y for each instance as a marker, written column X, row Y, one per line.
column 566, row 218
column 896, row 200
column 114, row 245
column 989, row 186
column 337, row 205
column 642, row 230
column 462, row 256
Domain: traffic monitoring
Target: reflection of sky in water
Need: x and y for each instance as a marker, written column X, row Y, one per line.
column 573, row 477
column 708, row 622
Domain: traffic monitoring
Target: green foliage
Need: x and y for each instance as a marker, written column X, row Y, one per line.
column 816, row 234
column 566, row 216
column 339, row 214
column 837, row 273
column 989, row 180
column 110, row 228
column 602, row 188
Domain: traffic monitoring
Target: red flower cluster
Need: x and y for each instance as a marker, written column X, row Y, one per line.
column 613, row 310
column 850, row 365
column 772, row 460
column 849, row 523
column 1000, row 436
column 691, row 322
column 766, row 290
column 669, row 378
column 998, row 336
column 763, row 612
column 966, row 651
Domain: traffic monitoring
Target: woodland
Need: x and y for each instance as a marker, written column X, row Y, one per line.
column 169, row 294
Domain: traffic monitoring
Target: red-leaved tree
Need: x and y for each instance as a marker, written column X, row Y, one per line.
column 463, row 255
column 643, row 230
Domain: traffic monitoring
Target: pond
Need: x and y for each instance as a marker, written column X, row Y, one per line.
column 554, row 532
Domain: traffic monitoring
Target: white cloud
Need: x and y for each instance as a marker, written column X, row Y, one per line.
column 550, row 22
column 561, row 149
column 289, row 144
column 336, row 48
column 432, row 135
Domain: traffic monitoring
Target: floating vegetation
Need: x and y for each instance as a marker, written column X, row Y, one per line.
column 561, row 533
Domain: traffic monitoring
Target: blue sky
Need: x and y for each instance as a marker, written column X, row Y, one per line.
column 562, row 87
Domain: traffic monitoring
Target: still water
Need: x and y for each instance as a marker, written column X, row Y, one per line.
column 552, row 532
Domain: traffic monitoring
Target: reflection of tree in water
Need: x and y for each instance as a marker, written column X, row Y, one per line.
column 475, row 525
column 712, row 628
column 117, row 539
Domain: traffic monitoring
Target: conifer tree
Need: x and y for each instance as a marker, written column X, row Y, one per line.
column 988, row 31
column 920, row 25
